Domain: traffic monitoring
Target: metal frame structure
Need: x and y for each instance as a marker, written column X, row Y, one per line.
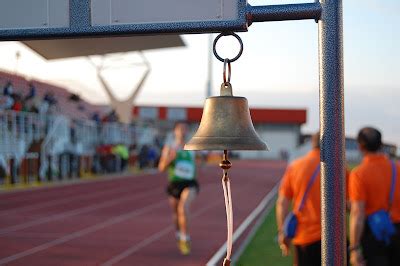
column 121, row 106
column 81, row 26
column 328, row 14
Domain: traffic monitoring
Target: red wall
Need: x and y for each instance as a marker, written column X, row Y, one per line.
column 271, row 116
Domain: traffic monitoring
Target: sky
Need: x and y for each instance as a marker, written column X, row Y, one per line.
column 278, row 68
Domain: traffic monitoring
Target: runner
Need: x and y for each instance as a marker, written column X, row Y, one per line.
column 183, row 187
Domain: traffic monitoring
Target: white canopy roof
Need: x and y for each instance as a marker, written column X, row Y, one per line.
column 68, row 48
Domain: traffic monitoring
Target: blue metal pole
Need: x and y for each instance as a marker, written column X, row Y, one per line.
column 284, row 12
column 332, row 133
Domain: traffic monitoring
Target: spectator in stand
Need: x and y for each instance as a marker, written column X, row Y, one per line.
column 32, row 92
column 112, row 116
column 81, row 107
column 74, row 97
column 71, row 151
column 143, row 156
column 6, row 101
column 8, row 89
column 51, row 102
column 18, row 103
column 96, row 117
column 8, row 92
column 107, row 158
column 43, row 107
column 49, row 98
column 122, row 152
column 72, row 132
column 48, row 104
column 3, row 168
column 153, row 156
column 32, row 101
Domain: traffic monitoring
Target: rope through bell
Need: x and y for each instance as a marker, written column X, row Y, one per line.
column 225, row 164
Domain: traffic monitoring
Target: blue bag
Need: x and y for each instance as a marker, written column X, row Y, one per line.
column 379, row 222
column 290, row 225
column 291, row 221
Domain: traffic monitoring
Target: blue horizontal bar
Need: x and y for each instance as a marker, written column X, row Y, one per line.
column 284, row 12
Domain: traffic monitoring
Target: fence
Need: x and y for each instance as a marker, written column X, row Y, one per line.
column 38, row 148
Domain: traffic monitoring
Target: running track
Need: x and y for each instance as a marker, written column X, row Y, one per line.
column 124, row 221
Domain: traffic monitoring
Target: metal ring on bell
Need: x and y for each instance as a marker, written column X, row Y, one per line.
column 228, row 34
column 227, row 62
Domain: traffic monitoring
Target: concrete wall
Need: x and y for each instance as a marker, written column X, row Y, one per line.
column 279, row 138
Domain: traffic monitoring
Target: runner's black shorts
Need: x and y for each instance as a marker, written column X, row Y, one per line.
column 175, row 189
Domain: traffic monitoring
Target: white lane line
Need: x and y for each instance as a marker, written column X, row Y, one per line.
column 140, row 245
column 71, row 198
column 151, row 239
column 154, row 237
column 37, row 235
column 74, row 212
column 80, row 233
column 218, row 256
column 61, row 185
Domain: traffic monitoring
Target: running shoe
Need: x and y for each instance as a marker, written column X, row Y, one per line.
column 184, row 247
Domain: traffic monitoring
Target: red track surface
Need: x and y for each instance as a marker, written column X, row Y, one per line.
column 124, row 221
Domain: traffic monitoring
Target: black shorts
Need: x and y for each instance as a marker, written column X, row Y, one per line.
column 175, row 189
column 377, row 252
column 308, row 255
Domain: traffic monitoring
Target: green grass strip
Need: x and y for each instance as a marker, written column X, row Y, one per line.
column 263, row 249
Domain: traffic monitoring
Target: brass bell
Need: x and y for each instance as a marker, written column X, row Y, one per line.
column 226, row 125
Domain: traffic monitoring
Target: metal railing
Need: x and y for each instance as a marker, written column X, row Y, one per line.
column 53, row 144
column 20, row 126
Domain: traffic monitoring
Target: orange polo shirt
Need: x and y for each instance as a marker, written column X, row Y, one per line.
column 370, row 182
column 293, row 186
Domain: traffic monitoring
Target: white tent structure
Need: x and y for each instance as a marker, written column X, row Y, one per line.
column 87, row 47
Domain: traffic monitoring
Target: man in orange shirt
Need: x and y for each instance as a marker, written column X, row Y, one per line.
column 369, row 188
column 296, row 180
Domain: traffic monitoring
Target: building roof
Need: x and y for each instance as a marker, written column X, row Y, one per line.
column 193, row 114
column 68, row 48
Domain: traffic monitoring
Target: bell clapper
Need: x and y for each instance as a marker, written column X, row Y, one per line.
column 225, row 165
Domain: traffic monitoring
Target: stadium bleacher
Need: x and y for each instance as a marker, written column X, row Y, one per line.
column 53, row 134
column 69, row 108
